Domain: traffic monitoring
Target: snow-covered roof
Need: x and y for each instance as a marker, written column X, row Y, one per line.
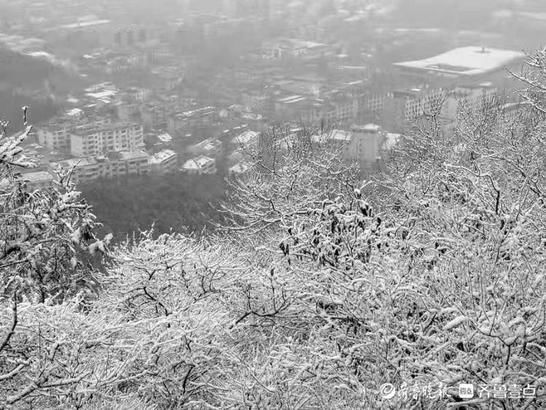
column 333, row 135
column 38, row 176
column 73, row 162
column 162, row 156
column 102, row 94
column 74, row 112
column 340, row 135
column 239, row 168
column 466, row 61
column 82, row 24
column 129, row 155
column 197, row 163
column 165, row 137
column 246, row 137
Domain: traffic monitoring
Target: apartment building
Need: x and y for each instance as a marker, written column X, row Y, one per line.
column 163, row 162
column 403, row 107
column 154, row 115
column 470, row 98
column 56, row 134
column 89, row 140
column 56, row 138
column 211, row 147
column 362, row 144
column 188, row 119
column 200, row 165
column 111, row 166
column 247, row 139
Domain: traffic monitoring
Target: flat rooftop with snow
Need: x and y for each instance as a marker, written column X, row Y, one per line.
column 466, row 61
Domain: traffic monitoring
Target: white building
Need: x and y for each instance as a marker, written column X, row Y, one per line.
column 115, row 165
column 363, row 144
column 56, row 134
column 200, row 165
column 165, row 138
column 246, row 139
column 239, row 168
column 89, row 140
column 209, row 147
column 56, row 138
column 471, row 98
column 163, row 162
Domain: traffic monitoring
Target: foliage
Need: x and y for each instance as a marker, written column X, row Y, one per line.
column 42, row 233
column 291, row 175
column 321, row 290
column 169, row 202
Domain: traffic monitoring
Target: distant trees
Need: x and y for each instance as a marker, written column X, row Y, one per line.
column 168, row 202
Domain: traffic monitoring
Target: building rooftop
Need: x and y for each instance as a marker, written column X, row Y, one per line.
column 295, row 43
column 37, row 176
column 198, row 163
column 102, row 94
column 128, row 155
column 74, row 112
column 204, row 111
column 162, row 156
column 246, row 137
column 165, row 137
column 94, row 128
column 74, row 162
column 334, row 135
column 209, row 144
column 83, row 24
column 292, row 99
column 239, row 168
column 466, row 61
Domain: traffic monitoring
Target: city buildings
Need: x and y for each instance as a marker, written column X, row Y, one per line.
column 55, row 137
column 238, row 169
column 199, row 165
column 113, row 165
column 192, row 118
column 56, row 134
column 204, row 68
column 362, row 144
column 211, row 147
column 290, row 48
column 163, row 162
column 90, row 140
column 403, row 107
column 246, row 139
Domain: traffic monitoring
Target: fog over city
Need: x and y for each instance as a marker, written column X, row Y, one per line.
column 272, row 204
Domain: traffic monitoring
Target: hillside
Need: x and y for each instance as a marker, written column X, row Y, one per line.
column 321, row 290
column 33, row 82
column 171, row 202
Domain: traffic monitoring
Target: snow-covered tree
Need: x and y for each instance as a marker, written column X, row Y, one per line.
column 42, row 232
